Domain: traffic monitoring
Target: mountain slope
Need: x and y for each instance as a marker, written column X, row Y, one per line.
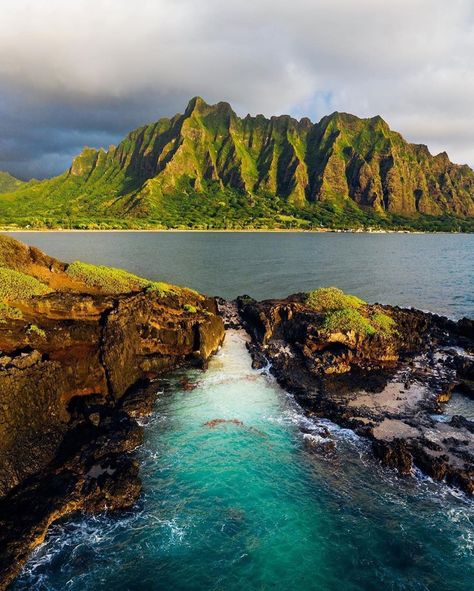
column 209, row 167
column 8, row 182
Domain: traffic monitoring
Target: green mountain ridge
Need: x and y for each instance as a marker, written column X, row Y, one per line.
column 210, row 168
column 9, row 183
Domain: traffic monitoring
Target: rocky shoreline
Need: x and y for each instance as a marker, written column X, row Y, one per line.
column 390, row 388
column 79, row 354
column 83, row 349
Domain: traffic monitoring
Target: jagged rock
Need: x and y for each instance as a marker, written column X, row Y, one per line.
column 72, row 359
column 386, row 387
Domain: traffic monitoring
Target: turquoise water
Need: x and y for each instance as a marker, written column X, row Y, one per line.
column 248, row 505
column 429, row 271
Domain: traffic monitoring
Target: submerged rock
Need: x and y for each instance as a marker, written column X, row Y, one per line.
column 382, row 371
column 216, row 422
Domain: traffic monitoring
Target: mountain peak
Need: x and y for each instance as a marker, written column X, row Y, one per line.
column 197, row 103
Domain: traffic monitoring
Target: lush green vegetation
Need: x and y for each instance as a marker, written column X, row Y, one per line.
column 224, row 209
column 16, row 286
column 345, row 312
column 9, row 183
column 329, row 299
column 266, row 174
column 114, row 281
column 348, row 319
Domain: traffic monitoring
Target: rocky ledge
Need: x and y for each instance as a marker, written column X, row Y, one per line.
column 382, row 371
column 80, row 348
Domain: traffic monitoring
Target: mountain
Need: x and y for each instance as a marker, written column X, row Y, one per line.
column 210, row 168
column 9, row 183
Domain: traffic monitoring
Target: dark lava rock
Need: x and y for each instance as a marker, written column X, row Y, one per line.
column 387, row 387
column 91, row 471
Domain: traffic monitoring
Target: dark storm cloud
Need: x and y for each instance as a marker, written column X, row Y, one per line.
column 85, row 73
column 40, row 138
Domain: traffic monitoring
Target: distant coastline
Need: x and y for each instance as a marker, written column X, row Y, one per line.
column 219, row 231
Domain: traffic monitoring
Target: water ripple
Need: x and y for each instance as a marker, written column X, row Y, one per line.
column 247, row 504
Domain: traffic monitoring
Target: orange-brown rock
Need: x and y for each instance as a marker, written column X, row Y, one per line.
column 71, row 360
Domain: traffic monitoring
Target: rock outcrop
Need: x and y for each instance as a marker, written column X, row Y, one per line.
column 388, row 383
column 75, row 343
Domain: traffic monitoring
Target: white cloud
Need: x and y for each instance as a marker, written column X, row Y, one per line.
column 135, row 60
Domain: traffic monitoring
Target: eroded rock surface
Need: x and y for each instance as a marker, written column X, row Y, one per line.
column 71, row 359
column 388, row 386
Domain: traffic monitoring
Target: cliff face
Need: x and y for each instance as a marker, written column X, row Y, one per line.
column 77, row 340
column 80, row 347
column 340, row 160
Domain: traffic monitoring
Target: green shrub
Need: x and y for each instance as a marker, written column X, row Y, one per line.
column 347, row 320
column 36, row 330
column 15, row 285
column 190, row 308
column 328, row 299
column 383, row 322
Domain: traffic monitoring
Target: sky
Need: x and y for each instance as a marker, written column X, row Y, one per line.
column 87, row 72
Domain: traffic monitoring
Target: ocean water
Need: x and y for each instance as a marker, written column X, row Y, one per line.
column 428, row 271
column 247, row 504
column 250, row 503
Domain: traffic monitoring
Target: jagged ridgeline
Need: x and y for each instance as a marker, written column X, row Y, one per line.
column 210, row 168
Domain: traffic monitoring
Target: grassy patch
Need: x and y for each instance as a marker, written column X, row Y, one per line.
column 344, row 313
column 190, row 308
column 383, row 322
column 106, row 279
column 328, row 299
column 15, row 285
column 347, row 320
column 114, row 281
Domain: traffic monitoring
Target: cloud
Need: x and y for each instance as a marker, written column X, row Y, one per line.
column 89, row 71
